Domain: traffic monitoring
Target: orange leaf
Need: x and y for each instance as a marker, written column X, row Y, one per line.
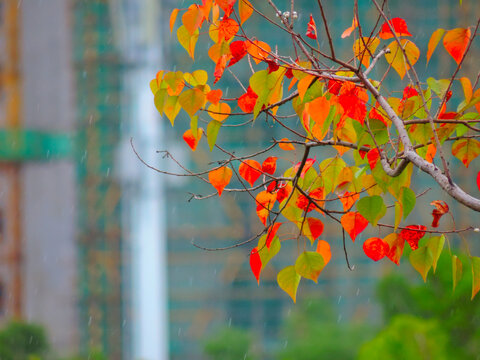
column 456, row 42
column 214, row 96
column 272, row 231
column 265, row 202
column 245, row 10
column 304, row 84
column 219, row 178
column 191, row 140
column 399, row 26
column 219, row 112
column 349, row 30
column 349, row 199
column 375, row 248
column 227, row 28
column 270, row 165
column 258, row 50
column 285, row 145
column 396, row 244
column 466, row 150
column 311, row 28
column 193, row 18
column 255, row 263
column 433, row 42
column 316, row 227
column 353, row 223
column 173, row 17
column 250, row 170
column 323, row 248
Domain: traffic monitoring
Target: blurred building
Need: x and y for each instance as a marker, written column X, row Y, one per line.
column 89, row 237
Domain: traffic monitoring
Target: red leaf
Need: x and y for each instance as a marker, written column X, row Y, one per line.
column 307, row 203
column 226, row 5
column 247, row 101
column 353, row 100
column 283, row 192
column 334, row 86
column 373, row 156
column 316, row 227
column 219, row 178
column 191, row 140
column 270, row 165
column 375, row 114
column 250, row 170
column 272, row 231
column 312, row 29
column 255, row 263
column 308, row 164
column 353, row 223
column 272, row 65
column 400, row 27
column 375, row 248
column 289, row 73
column 441, row 208
column 238, row 49
column 409, row 92
column 456, row 41
column 478, row 180
column 412, row 234
column 214, row 96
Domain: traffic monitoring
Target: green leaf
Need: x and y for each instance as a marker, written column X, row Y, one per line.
column 309, row 265
column 212, row 132
column 314, row 91
column 263, row 84
column 372, row 208
column 407, row 199
column 288, row 280
column 330, row 170
column 194, row 126
column 475, row 275
column 159, row 99
column 435, row 244
column 439, row 87
column 191, row 100
column 154, row 86
column 456, row 270
column 171, row 108
column 422, row 260
column 267, row 254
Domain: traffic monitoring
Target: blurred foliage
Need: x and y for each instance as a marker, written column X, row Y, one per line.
column 313, row 332
column 230, row 344
column 408, row 337
column 458, row 316
column 20, row 341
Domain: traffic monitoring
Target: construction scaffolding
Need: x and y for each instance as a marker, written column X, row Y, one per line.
column 98, row 69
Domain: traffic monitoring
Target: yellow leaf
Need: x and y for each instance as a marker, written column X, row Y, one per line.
column 288, row 280
column 186, row 40
column 364, row 53
column 396, row 57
